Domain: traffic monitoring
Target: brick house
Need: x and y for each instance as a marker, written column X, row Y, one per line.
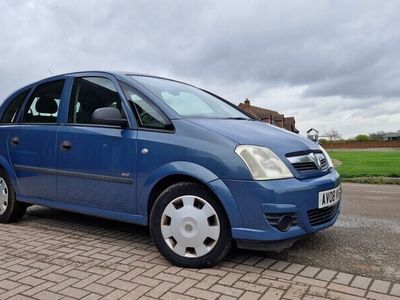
column 270, row 116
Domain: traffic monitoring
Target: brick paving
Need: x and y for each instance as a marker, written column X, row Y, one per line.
column 70, row 258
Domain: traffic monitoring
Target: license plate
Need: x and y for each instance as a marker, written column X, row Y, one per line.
column 329, row 197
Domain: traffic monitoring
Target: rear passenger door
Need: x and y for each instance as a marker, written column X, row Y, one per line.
column 96, row 164
column 32, row 141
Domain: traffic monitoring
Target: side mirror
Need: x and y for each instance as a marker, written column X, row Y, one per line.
column 109, row 116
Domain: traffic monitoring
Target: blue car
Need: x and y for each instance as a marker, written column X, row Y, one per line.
column 200, row 172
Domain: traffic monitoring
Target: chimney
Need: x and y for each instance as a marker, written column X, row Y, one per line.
column 247, row 102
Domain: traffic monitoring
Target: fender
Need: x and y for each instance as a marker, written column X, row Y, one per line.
column 198, row 172
column 11, row 174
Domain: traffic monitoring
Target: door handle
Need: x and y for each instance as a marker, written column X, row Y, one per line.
column 15, row 140
column 66, row 145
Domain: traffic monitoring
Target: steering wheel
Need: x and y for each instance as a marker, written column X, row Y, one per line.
column 145, row 117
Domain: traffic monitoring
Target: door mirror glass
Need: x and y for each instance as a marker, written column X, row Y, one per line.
column 109, row 116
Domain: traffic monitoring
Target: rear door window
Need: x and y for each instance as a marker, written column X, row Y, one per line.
column 44, row 103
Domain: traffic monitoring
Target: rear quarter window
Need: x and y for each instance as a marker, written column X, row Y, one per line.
column 11, row 111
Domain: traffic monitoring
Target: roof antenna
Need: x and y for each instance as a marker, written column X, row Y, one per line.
column 51, row 73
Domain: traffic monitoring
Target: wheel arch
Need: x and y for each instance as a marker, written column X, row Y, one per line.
column 187, row 171
column 6, row 166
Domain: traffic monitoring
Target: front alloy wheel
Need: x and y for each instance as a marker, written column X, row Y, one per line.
column 189, row 226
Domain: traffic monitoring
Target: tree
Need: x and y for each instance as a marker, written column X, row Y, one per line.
column 361, row 138
column 333, row 134
column 377, row 136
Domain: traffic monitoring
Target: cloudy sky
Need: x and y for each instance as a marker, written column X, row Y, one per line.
column 331, row 64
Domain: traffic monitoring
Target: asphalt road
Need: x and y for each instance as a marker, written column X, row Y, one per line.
column 365, row 240
column 372, row 200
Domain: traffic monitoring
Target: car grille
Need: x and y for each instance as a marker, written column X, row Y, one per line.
column 305, row 166
column 324, row 215
column 308, row 162
column 324, row 164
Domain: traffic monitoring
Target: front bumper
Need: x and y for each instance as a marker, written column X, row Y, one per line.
column 256, row 199
column 273, row 246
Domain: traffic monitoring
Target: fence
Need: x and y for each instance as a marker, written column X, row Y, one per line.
column 362, row 145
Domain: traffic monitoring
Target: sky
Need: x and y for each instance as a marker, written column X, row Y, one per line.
column 330, row 64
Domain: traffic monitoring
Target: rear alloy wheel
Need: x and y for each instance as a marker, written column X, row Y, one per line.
column 10, row 209
column 189, row 227
column 3, row 196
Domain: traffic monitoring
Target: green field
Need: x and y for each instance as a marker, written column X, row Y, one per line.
column 367, row 163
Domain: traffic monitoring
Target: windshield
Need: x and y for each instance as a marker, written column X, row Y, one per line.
column 189, row 101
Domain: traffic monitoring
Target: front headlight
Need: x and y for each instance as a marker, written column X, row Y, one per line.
column 263, row 163
column 327, row 157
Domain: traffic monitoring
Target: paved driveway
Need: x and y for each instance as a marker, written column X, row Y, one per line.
column 59, row 255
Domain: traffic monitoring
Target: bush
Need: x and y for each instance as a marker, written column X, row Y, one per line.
column 362, row 138
column 323, row 141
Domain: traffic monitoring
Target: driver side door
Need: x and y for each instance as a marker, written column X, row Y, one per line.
column 96, row 163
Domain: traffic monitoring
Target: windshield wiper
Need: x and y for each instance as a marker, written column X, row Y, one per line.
column 238, row 118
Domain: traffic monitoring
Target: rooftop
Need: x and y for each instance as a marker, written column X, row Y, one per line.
column 270, row 116
column 392, row 134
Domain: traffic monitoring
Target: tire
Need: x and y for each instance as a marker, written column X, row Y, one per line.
column 189, row 226
column 10, row 209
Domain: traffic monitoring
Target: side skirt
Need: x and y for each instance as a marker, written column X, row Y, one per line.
column 87, row 210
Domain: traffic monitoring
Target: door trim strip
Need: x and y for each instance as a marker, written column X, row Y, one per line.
column 74, row 174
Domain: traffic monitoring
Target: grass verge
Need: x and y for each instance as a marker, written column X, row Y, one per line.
column 372, row 180
column 368, row 166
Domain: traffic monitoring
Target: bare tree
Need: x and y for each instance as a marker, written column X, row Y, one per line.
column 333, row 134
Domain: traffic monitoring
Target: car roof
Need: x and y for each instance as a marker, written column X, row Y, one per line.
column 115, row 73
column 112, row 73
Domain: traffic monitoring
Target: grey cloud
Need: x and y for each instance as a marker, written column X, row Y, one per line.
column 335, row 49
column 271, row 44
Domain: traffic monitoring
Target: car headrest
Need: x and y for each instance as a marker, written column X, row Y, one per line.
column 46, row 105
